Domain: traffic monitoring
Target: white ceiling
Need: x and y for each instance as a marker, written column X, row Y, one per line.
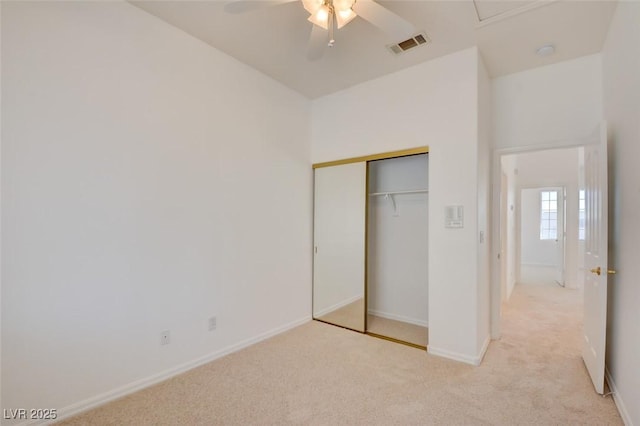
column 274, row 39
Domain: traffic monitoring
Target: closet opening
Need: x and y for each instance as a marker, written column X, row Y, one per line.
column 370, row 254
column 397, row 249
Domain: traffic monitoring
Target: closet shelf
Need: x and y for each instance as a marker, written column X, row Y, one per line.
column 390, row 194
column 412, row 191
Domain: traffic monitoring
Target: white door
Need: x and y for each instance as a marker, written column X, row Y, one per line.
column 561, row 235
column 339, row 245
column 503, row 237
column 595, row 258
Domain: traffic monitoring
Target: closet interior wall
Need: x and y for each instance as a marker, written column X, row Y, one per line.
column 397, row 242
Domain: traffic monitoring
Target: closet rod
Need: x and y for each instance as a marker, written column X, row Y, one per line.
column 413, row 191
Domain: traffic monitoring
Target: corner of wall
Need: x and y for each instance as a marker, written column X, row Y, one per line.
column 484, row 195
column 621, row 95
column 475, row 359
column 1, row 322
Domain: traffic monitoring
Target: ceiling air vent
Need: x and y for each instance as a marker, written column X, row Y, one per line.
column 415, row 41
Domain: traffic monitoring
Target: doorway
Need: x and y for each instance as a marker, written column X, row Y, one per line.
column 586, row 236
column 517, row 175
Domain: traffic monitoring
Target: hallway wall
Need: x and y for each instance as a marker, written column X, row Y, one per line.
column 621, row 63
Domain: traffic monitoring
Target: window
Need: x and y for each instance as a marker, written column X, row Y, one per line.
column 548, row 215
column 581, row 215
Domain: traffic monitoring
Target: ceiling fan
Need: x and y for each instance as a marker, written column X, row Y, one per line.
column 329, row 15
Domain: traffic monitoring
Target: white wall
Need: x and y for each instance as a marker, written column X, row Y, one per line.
column 398, row 242
column 1, row 174
column 550, row 167
column 553, row 104
column 435, row 104
column 483, row 239
column 148, row 182
column 621, row 67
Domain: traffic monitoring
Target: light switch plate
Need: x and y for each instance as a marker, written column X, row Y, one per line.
column 454, row 217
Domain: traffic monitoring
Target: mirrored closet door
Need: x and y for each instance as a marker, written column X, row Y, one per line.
column 339, row 245
column 371, row 245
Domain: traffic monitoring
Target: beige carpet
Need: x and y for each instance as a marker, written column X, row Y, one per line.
column 318, row 374
column 349, row 316
column 399, row 330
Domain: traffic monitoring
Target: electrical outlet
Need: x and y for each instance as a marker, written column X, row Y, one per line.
column 212, row 323
column 165, row 337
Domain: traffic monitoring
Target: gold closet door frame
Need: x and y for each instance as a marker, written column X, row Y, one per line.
column 372, row 157
column 367, row 159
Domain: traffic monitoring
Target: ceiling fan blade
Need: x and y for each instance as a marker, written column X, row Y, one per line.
column 317, row 43
column 242, row 6
column 384, row 19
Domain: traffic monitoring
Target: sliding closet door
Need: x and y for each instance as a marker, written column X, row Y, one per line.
column 339, row 245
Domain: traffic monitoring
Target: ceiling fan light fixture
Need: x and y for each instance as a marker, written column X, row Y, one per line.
column 321, row 17
column 343, row 17
column 312, row 6
column 343, row 5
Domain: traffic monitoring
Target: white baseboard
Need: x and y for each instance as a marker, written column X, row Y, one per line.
column 402, row 318
column 130, row 388
column 337, row 306
column 617, row 398
column 456, row 356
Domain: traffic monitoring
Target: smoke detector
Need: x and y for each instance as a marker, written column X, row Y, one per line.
column 546, row 50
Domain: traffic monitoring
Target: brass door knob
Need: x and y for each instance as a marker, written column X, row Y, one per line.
column 598, row 271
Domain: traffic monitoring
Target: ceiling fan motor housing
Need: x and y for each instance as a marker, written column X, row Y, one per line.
column 323, row 12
